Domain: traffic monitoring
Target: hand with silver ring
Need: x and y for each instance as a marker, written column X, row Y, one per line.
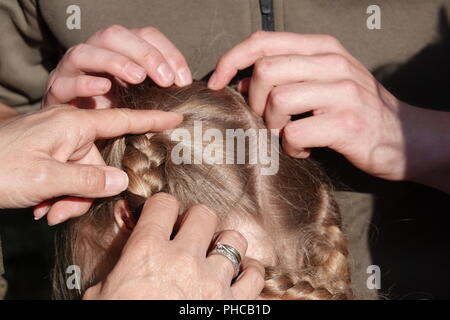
column 230, row 253
column 155, row 264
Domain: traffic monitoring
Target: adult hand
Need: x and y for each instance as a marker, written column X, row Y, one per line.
column 352, row 112
column 152, row 266
column 115, row 55
column 128, row 55
column 46, row 154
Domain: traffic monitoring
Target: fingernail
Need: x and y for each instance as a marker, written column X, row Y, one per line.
column 100, row 85
column 212, row 81
column 302, row 154
column 184, row 77
column 239, row 86
column 165, row 73
column 177, row 116
column 116, row 181
column 39, row 213
column 135, row 72
column 55, row 221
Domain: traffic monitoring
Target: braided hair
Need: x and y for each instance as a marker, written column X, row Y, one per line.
column 295, row 206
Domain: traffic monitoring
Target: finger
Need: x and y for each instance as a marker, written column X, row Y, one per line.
column 264, row 44
column 84, row 181
column 197, row 229
column 68, row 208
column 173, row 56
column 157, row 219
column 110, row 123
column 312, row 132
column 280, row 70
column 40, row 210
column 121, row 40
column 223, row 267
column 296, row 98
column 71, row 207
column 85, row 58
column 244, row 85
column 65, row 89
column 250, row 283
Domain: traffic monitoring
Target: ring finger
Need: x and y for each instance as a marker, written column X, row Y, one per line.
column 223, row 267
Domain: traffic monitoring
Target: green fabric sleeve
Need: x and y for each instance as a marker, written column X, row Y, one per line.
column 27, row 53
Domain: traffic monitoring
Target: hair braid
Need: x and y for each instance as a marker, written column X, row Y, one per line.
column 324, row 273
column 294, row 208
column 143, row 163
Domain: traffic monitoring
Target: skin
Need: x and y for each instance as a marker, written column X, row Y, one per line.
column 352, row 112
column 47, row 154
column 53, row 150
column 49, row 150
column 152, row 266
column 147, row 53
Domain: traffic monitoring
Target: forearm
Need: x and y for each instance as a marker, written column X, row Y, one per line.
column 427, row 146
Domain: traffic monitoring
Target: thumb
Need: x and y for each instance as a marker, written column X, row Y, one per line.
column 87, row 181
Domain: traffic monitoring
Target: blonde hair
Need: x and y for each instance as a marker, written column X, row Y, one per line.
column 295, row 206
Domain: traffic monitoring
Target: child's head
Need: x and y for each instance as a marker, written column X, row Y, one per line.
column 289, row 218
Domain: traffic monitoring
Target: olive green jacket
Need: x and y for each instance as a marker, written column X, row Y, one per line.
column 34, row 34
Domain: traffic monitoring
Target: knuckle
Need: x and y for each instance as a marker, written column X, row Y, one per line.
column 256, row 276
column 164, row 200
column 235, row 237
column 63, row 114
column 82, row 84
column 151, row 56
column 40, row 174
column 203, row 210
column 118, row 62
column 350, row 121
column 340, row 62
column 177, row 59
column 278, row 97
column 76, row 53
column 258, row 35
column 56, row 88
column 148, row 32
column 290, row 132
column 110, row 33
column 91, row 178
column 263, row 67
column 331, row 41
column 349, row 87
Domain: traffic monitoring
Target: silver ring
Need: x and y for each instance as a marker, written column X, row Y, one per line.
column 231, row 253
